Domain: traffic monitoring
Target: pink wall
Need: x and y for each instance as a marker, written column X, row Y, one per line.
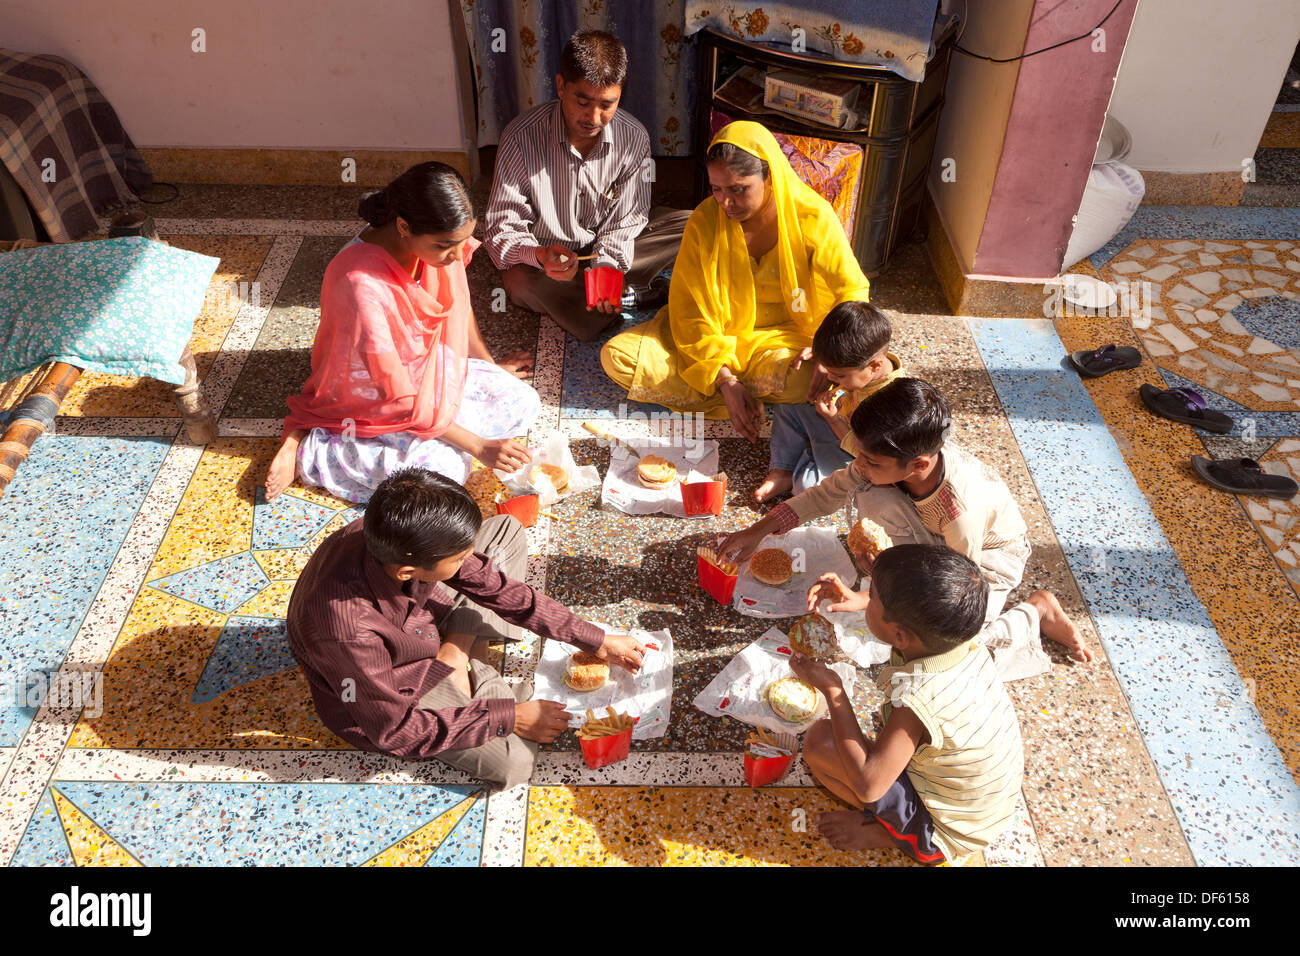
column 1051, row 136
column 293, row 74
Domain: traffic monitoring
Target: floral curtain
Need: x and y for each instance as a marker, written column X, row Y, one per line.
column 516, row 44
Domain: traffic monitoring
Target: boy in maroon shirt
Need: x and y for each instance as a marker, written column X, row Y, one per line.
column 390, row 621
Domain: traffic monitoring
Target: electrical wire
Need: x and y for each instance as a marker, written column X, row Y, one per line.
column 1022, row 56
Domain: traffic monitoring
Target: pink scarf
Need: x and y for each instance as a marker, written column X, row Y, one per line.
column 391, row 351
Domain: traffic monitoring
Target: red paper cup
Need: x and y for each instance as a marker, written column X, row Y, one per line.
column 524, row 507
column 760, row 771
column 716, row 583
column 604, row 283
column 604, row 751
column 704, row 497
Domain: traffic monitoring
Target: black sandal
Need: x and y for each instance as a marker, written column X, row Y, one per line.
column 1243, row 476
column 1184, row 405
column 1108, row 358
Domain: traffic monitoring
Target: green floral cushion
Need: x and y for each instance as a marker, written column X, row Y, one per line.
column 121, row 306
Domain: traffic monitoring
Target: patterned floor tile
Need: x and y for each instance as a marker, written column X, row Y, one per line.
column 222, row 585
column 247, row 649
column 588, row 391
column 53, row 559
column 198, row 685
column 1235, row 799
column 686, row 826
column 216, row 824
column 287, row 522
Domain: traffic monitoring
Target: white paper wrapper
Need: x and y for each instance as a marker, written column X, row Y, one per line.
column 856, row 640
column 554, row 450
column 647, row 694
column 740, row 691
column 695, row 460
column 822, row 552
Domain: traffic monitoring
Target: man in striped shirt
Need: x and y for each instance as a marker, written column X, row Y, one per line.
column 941, row 779
column 572, row 185
column 390, row 621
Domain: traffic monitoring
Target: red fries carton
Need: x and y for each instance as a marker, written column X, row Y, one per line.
column 604, row 283
column 524, row 507
column 704, row 497
column 768, row 757
column 717, row 578
column 602, row 751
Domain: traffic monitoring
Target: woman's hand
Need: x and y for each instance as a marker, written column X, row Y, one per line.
column 518, row 363
column 503, row 454
column 743, row 407
column 829, row 587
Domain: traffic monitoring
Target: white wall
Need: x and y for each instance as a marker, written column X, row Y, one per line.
column 1199, row 79
column 293, row 74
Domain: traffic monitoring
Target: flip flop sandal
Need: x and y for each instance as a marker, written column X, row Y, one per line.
column 1108, row 358
column 1243, row 476
column 1184, row 405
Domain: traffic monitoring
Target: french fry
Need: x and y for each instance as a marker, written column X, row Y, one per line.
column 593, row 728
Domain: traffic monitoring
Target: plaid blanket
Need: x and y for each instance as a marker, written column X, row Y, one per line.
column 49, row 109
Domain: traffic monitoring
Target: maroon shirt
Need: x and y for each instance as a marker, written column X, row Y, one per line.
column 349, row 620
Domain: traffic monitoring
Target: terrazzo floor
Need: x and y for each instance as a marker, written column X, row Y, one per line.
column 127, row 551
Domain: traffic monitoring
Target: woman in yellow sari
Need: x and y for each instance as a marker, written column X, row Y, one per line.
column 761, row 264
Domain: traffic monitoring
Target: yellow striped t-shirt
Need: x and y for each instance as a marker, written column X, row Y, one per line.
column 969, row 771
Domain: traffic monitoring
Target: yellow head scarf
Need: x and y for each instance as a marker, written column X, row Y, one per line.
column 711, row 299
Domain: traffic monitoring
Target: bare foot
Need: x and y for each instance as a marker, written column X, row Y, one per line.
column 284, row 468
column 848, row 830
column 778, row 482
column 1054, row 624
column 518, row 363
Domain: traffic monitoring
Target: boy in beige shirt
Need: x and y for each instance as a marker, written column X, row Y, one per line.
column 941, row 779
column 919, row 488
column 812, row 440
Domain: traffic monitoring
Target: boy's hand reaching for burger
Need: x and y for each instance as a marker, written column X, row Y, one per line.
column 624, row 650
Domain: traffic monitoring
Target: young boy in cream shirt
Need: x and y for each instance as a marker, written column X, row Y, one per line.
column 940, row 781
column 919, row 488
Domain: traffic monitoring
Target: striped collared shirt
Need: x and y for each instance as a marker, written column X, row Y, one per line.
column 970, row 766
column 369, row 649
column 544, row 191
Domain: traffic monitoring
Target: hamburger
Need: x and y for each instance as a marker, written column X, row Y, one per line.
column 557, row 476
column 772, row 567
column 791, row 699
column 655, row 472
column 814, row 636
column 866, row 540
column 585, row 672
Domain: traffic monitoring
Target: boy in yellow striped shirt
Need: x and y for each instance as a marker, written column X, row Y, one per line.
column 941, row 779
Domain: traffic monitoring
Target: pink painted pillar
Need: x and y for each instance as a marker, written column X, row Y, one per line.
column 1056, row 118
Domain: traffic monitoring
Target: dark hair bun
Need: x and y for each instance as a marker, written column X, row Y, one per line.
column 374, row 208
column 432, row 197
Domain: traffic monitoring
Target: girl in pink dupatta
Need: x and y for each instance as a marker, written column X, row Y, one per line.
column 400, row 375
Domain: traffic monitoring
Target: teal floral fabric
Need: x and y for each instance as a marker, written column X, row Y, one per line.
column 121, row 306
